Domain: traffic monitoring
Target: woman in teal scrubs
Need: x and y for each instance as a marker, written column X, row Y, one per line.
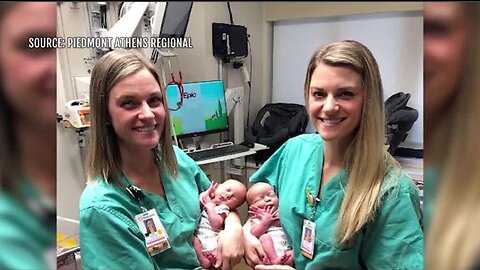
column 341, row 182
column 27, row 137
column 131, row 146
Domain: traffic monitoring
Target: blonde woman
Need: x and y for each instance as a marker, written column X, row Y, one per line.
column 135, row 173
column 341, row 183
column 27, row 137
column 452, row 96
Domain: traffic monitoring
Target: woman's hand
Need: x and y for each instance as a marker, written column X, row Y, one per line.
column 253, row 249
column 273, row 267
column 230, row 243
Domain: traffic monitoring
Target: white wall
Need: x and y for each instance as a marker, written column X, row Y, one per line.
column 70, row 179
column 278, row 11
column 395, row 39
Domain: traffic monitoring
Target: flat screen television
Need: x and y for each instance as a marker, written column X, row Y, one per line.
column 203, row 110
column 171, row 19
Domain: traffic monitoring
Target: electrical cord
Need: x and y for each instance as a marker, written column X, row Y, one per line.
column 251, row 65
column 249, row 83
column 179, row 85
column 103, row 15
column 154, row 56
column 230, row 13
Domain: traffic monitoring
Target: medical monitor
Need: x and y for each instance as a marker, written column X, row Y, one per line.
column 202, row 111
column 171, row 19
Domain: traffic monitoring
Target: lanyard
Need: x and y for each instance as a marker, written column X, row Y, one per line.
column 314, row 206
column 157, row 241
column 176, row 83
column 313, row 202
column 138, row 195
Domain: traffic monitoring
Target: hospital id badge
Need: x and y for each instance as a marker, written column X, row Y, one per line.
column 156, row 238
column 308, row 238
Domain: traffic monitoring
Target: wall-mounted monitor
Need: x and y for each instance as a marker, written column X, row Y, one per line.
column 203, row 110
column 171, row 19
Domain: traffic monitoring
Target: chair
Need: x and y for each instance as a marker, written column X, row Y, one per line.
column 399, row 119
column 275, row 124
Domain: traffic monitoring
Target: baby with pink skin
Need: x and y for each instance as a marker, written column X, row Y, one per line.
column 217, row 202
column 265, row 225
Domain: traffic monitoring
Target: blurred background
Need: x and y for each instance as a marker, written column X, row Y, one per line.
column 27, row 137
column 452, row 171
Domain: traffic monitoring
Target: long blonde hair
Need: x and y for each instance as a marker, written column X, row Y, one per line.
column 365, row 159
column 452, row 240
column 104, row 155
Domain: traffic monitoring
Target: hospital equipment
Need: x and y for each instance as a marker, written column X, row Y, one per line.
column 77, row 114
column 203, row 110
column 68, row 244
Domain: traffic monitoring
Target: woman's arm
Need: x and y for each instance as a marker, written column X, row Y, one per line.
column 230, row 242
column 253, row 249
column 273, row 267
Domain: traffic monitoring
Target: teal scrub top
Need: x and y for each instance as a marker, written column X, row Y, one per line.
column 393, row 240
column 110, row 238
column 431, row 186
column 430, row 189
column 26, row 241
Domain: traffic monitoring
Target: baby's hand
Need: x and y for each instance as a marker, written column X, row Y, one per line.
column 254, row 210
column 268, row 213
column 208, row 195
column 205, row 200
column 211, row 190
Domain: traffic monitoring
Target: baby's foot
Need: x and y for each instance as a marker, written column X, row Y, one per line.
column 266, row 260
column 211, row 257
column 278, row 260
column 205, row 262
column 287, row 258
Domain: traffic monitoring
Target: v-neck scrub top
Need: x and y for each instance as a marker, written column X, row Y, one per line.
column 392, row 240
column 110, row 238
column 27, row 241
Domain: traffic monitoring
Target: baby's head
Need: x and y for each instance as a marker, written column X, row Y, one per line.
column 262, row 195
column 230, row 193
